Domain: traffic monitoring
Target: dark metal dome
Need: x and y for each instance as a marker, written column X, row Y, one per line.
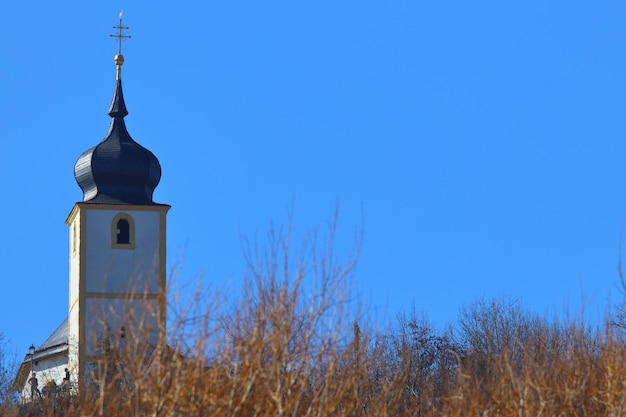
column 118, row 170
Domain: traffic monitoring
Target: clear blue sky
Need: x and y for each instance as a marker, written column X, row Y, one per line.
column 482, row 144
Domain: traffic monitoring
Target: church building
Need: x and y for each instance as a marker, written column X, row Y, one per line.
column 117, row 253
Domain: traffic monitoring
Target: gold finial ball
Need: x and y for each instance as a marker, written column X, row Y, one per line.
column 119, row 59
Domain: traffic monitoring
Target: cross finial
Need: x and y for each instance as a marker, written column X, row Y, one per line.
column 120, row 34
column 119, row 58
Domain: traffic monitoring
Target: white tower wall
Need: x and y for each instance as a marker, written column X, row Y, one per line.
column 116, row 290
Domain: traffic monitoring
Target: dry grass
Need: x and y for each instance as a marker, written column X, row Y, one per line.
column 291, row 347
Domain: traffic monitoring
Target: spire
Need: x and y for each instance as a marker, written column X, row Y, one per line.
column 118, row 170
column 118, row 107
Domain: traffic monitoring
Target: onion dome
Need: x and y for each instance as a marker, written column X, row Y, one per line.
column 118, row 170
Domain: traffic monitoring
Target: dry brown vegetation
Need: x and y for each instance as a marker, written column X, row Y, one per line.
column 291, row 346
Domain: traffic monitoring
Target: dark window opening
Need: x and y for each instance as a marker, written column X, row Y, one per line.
column 123, row 232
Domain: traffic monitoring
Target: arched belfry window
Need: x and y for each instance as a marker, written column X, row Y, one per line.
column 123, row 232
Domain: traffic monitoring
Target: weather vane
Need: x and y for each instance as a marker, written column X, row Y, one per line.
column 120, row 34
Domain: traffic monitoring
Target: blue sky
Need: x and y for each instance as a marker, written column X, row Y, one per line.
column 481, row 144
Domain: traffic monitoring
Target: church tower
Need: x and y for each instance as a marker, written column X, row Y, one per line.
column 117, row 243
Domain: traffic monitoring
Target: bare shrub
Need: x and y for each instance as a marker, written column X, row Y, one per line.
column 286, row 347
column 295, row 344
column 8, row 368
